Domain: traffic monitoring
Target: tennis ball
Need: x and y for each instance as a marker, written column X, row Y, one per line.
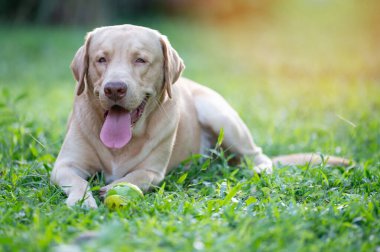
column 122, row 195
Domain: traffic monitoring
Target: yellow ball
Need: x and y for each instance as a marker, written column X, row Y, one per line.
column 115, row 202
column 122, row 195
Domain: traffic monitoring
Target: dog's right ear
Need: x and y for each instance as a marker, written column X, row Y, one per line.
column 79, row 65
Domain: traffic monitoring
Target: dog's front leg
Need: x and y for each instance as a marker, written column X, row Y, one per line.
column 74, row 184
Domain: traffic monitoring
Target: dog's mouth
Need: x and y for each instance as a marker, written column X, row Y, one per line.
column 116, row 131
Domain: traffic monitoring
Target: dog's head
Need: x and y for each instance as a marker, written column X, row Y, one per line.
column 125, row 68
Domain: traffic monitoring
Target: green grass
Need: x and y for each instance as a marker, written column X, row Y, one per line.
column 305, row 78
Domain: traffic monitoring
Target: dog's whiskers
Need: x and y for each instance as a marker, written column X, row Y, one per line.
column 161, row 107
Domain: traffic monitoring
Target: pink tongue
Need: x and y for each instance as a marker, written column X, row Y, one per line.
column 117, row 130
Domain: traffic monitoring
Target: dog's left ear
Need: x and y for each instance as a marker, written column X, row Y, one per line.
column 173, row 65
column 79, row 65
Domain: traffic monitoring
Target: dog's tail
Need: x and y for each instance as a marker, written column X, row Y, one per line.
column 310, row 158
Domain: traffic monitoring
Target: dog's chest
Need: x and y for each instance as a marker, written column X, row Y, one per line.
column 115, row 170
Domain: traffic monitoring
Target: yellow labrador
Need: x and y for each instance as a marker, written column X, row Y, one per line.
column 135, row 119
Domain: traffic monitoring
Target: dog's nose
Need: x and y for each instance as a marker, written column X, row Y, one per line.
column 115, row 90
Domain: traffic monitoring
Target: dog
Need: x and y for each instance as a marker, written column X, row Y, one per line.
column 135, row 118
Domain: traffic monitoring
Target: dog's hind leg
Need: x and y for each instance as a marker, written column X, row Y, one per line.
column 214, row 113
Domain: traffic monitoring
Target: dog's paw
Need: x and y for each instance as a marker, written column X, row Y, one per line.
column 103, row 191
column 85, row 201
column 263, row 164
column 264, row 167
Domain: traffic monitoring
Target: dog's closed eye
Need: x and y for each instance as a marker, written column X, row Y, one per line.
column 140, row 61
column 102, row 60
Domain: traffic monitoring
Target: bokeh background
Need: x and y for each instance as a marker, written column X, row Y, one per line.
column 296, row 38
column 304, row 74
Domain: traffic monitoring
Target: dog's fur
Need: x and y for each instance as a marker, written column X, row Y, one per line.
column 180, row 117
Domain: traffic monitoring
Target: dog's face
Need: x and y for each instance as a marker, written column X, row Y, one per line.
column 125, row 68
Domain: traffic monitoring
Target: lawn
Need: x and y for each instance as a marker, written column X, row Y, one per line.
column 306, row 77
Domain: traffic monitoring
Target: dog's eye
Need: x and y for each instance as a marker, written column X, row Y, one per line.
column 102, row 60
column 140, row 60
